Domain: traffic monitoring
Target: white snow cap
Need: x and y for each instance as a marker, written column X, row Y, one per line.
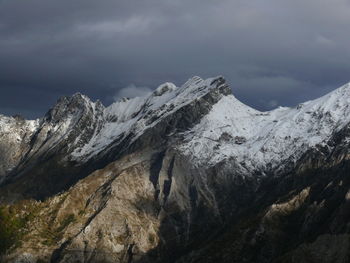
column 135, row 115
column 259, row 140
column 256, row 140
column 231, row 129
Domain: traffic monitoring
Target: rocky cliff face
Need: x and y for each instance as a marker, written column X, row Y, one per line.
column 186, row 174
column 15, row 134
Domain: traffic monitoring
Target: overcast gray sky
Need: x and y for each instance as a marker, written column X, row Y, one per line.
column 272, row 52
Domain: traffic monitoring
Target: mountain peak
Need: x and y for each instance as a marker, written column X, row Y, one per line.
column 267, row 138
column 137, row 115
column 71, row 105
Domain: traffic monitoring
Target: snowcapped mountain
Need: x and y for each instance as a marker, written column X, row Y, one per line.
column 132, row 117
column 266, row 140
column 258, row 141
column 136, row 181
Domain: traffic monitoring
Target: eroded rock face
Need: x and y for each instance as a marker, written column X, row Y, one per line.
column 15, row 136
column 143, row 208
column 157, row 207
column 299, row 217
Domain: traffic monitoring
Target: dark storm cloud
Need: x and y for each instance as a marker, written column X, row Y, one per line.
column 274, row 52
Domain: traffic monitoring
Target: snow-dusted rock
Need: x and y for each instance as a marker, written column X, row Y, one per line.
column 213, row 125
column 149, row 178
column 270, row 140
column 15, row 135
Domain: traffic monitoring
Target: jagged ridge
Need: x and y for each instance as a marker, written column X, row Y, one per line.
column 82, row 135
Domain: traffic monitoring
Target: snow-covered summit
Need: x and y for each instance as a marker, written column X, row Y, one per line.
column 213, row 125
column 257, row 140
column 78, row 129
column 134, row 116
column 265, row 140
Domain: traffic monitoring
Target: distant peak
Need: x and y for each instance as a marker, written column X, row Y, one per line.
column 76, row 97
column 80, row 97
column 78, row 94
column 71, row 105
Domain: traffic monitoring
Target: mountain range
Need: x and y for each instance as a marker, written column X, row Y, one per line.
column 184, row 174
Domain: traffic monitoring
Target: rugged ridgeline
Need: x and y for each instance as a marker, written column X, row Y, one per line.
column 186, row 174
